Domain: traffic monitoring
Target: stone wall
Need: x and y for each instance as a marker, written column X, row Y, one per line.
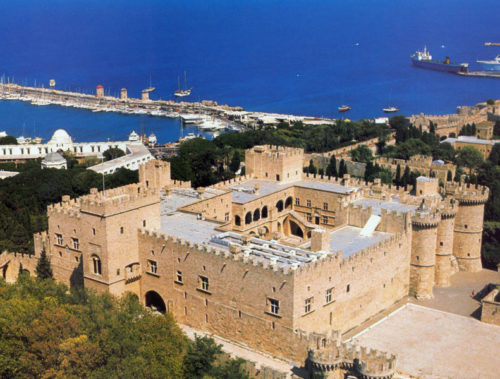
column 490, row 307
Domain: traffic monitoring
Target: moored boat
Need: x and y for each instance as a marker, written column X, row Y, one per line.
column 424, row 59
column 493, row 65
column 344, row 108
column 390, row 109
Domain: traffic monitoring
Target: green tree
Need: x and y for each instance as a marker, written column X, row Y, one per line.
column 342, row 169
column 200, row 357
column 405, row 180
column 397, row 179
column 230, row 369
column 113, row 153
column 361, row 154
column 496, row 129
column 43, row 267
column 331, row 169
column 495, row 154
column 469, row 157
column 235, row 161
column 490, row 102
column 8, row 140
column 311, row 169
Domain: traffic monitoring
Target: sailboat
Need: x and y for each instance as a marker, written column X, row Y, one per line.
column 182, row 92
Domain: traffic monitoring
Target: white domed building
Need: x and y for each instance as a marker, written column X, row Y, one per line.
column 54, row 160
column 61, row 139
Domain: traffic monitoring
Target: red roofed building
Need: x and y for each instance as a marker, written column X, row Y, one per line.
column 99, row 91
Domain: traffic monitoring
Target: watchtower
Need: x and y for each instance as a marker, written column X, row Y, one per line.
column 469, row 226
column 123, row 94
column 423, row 251
column 99, row 91
column 283, row 164
column 154, row 174
column 444, row 246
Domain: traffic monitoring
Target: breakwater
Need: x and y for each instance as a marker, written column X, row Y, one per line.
column 100, row 103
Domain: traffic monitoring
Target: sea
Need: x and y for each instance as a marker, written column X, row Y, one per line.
column 303, row 57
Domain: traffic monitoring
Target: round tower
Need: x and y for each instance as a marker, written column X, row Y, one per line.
column 423, row 252
column 467, row 236
column 444, row 245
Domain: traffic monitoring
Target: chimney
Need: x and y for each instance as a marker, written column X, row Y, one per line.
column 200, row 191
column 256, row 189
column 320, row 240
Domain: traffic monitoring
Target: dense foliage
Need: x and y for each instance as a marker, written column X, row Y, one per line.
column 48, row 332
column 24, row 198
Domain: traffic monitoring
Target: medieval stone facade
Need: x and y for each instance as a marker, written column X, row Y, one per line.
column 277, row 259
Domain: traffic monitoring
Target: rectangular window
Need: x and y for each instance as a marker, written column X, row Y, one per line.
column 297, row 201
column 329, row 293
column 59, row 239
column 226, row 217
column 153, row 268
column 274, row 306
column 76, row 244
column 325, row 219
column 307, row 305
column 325, row 206
column 204, row 283
column 309, row 217
column 179, row 276
column 308, row 203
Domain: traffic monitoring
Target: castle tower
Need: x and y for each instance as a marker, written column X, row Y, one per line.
column 469, row 227
column 123, row 94
column 444, row 246
column 154, row 174
column 99, row 91
column 423, row 251
column 283, row 164
column 145, row 95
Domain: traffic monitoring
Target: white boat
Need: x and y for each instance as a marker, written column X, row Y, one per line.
column 390, row 109
column 493, row 65
column 182, row 92
column 212, row 124
column 192, row 118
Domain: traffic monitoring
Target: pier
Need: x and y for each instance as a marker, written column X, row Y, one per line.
column 480, row 74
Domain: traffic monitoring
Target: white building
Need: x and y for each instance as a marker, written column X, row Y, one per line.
column 62, row 141
column 54, row 160
column 137, row 154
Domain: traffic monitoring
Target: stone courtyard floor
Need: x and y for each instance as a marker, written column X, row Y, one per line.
column 431, row 343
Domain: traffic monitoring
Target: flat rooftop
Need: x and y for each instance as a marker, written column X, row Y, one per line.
column 180, row 197
column 244, row 192
column 378, row 205
column 434, row 344
column 187, row 227
column 348, row 240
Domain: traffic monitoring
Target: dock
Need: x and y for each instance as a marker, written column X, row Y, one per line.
column 481, row 74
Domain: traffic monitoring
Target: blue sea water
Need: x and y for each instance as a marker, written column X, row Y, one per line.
column 293, row 56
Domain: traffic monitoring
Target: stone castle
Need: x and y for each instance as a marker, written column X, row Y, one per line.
column 280, row 260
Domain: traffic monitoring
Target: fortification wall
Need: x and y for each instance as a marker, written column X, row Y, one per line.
column 10, row 264
column 216, row 208
column 362, row 285
column 490, row 308
column 154, row 174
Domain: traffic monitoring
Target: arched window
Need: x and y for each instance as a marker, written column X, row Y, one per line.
column 279, row 205
column 237, row 220
column 264, row 212
column 96, row 261
column 288, row 203
column 256, row 215
column 248, row 218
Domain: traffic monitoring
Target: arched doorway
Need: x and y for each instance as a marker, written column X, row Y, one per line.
column 279, row 205
column 295, row 229
column 256, row 215
column 264, row 212
column 155, row 302
column 248, row 218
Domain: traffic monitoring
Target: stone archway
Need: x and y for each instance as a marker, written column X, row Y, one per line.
column 295, row 229
column 155, row 302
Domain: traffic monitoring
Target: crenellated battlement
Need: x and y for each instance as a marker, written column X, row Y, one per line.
column 228, row 183
column 276, row 152
column 118, row 199
column 372, row 251
column 426, row 218
column 468, row 194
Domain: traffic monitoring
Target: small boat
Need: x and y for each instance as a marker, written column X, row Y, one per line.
column 390, row 109
column 344, row 108
column 52, row 83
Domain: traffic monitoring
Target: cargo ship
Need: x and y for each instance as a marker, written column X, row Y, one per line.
column 493, row 65
column 424, row 59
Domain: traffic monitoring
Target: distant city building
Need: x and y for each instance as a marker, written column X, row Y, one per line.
column 54, row 160
column 61, row 141
column 483, row 145
column 123, row 94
